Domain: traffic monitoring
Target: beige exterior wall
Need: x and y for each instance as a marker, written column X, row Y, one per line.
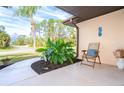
column 113, row 34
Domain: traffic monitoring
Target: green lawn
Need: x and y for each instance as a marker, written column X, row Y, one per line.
column 19, row 57
column 6, row 49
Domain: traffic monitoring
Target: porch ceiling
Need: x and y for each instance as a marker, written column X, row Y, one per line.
column 82, row 13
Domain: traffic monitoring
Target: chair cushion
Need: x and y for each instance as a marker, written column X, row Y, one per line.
column 91, row 52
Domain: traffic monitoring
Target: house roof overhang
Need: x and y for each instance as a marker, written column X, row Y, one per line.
column 83, row 13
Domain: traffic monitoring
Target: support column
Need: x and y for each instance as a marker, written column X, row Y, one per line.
column 77, row 43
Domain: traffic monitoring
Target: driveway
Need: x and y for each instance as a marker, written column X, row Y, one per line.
column 17, row 49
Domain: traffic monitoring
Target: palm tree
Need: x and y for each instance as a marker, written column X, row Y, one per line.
column 29, row 11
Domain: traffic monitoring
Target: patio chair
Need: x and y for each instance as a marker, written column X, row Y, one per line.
column 91, row 54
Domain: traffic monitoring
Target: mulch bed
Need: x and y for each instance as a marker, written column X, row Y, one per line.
column 3, row 66
column 42, row 66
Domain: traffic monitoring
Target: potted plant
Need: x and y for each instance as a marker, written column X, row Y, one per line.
column 119, row 54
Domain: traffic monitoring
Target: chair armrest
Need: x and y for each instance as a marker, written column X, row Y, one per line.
column 84, row 51
column 98, row 51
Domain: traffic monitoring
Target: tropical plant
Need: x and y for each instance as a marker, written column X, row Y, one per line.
column 57, row 51
column 29, row 11
column 4, row 38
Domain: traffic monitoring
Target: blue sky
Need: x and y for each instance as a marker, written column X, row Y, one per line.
column 21, row 25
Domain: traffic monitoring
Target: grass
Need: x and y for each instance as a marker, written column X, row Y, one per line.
column 19, row 57
column 7, row 48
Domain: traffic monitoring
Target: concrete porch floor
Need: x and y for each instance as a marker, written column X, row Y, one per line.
column 21, row 74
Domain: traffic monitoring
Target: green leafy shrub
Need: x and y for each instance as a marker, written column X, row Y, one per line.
column 21, row 40
column 4, row 38
column 57, row 51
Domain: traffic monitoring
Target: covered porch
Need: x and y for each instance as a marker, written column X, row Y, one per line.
column 112, row 21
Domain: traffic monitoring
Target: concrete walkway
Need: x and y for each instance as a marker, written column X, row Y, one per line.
column 17, row 72
column 21, row 74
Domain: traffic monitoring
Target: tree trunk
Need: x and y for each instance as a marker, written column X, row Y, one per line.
column 34, row 40
column 33, row 31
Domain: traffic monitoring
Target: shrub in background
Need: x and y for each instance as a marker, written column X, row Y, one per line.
column 4, row 38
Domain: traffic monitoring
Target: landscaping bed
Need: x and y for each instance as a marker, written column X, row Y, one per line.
column 42, row 66
column 3, row 66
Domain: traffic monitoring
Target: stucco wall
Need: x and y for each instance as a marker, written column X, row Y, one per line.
column 113, row 34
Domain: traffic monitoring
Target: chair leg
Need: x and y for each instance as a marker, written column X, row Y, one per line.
column 87, row 59
column 94, row 63
column 99, row 60
column 82, row 60
column 83, row 56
